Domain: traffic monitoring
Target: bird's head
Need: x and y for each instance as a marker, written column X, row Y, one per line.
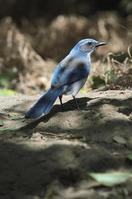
column 87, row 46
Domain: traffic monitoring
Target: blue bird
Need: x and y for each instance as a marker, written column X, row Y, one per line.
column 68, row 77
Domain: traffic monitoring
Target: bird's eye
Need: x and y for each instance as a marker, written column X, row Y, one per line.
column 90, row 43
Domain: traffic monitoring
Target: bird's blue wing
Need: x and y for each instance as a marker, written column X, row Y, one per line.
column 74, row 73
column 69, row 73
column 56, row 75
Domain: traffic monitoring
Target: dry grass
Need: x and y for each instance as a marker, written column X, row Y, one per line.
column 113, row 72
column 29, row 53
column 23, row 69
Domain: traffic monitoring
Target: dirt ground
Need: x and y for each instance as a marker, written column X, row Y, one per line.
column 51, row 158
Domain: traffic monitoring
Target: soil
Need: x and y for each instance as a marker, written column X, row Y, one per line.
column 51, row 158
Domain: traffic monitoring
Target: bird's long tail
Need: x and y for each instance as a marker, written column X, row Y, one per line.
column 44, row 104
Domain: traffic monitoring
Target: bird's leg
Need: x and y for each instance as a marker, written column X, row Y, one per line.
column 60, row 98
column 77, row 105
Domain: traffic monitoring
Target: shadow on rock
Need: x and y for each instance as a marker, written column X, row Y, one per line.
column 29, row 168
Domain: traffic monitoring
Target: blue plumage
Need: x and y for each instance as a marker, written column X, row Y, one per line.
column 68, row 78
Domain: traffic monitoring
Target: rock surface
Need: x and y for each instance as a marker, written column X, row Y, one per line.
column 56, row 153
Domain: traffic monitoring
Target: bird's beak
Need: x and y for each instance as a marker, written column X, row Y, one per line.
column 101, row 44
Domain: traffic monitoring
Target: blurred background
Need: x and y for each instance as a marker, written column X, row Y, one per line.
column 36, row 34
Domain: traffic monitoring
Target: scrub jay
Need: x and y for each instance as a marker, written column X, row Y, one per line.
column 68, row 77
